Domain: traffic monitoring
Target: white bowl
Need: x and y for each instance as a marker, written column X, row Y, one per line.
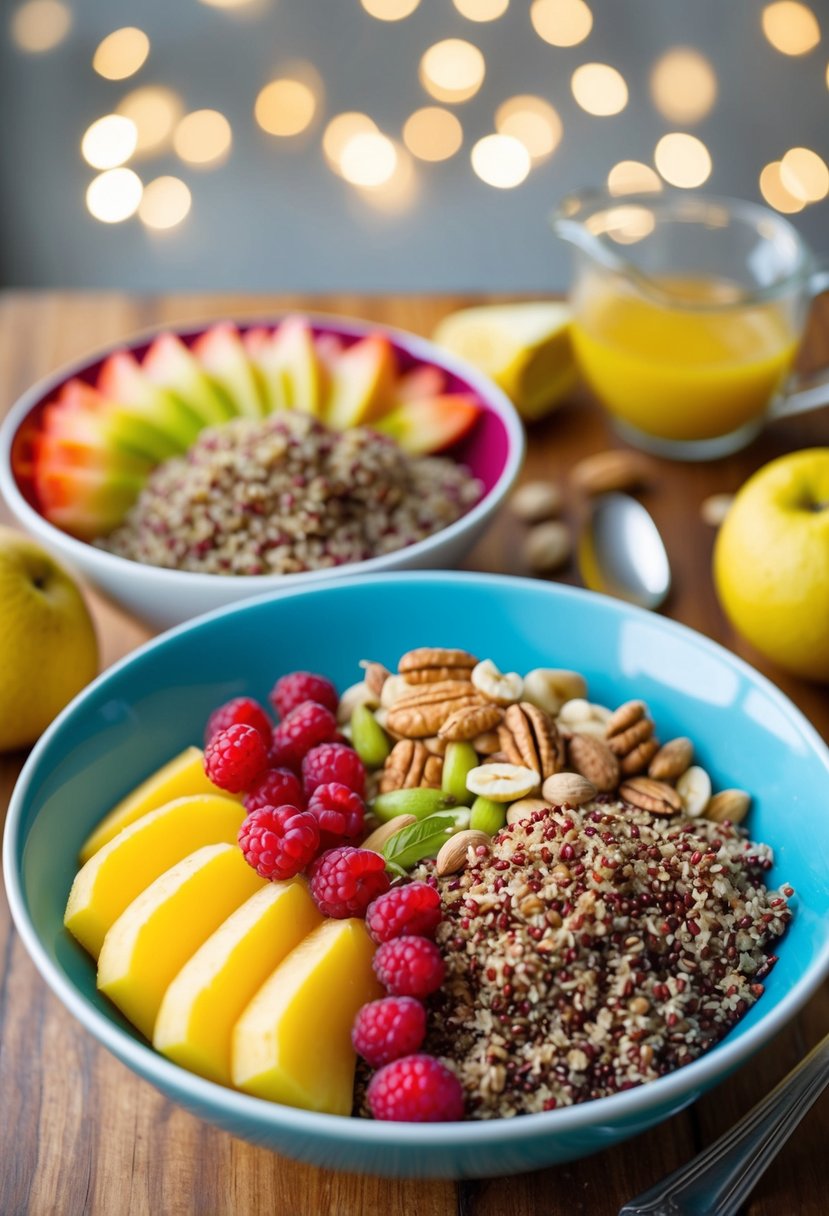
column 494, row 451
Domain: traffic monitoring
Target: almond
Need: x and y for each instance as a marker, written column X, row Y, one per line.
column 524, row 807
column 728, row 804
column 570, row 788
column 615, row 469
column 593, row 759
column 672, row 759
column 454, row 854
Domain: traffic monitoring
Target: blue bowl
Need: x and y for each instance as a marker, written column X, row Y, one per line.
column 154, row 703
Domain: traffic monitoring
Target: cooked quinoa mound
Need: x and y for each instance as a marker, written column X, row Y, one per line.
column 287, row 494
column 593, row 949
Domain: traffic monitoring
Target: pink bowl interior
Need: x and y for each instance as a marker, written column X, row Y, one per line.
column 484, row 450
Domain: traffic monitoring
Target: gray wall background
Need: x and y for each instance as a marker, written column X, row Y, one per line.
column 274, row 217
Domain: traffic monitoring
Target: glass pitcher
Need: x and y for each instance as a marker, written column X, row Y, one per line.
column 687, row 314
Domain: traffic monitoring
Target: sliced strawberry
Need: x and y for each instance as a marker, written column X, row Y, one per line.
column 430, row 424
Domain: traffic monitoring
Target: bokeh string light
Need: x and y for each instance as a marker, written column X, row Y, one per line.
column 109, row 142
column 632, row 177
column 683, row 85
column 775, row 193
column 155, row 110
column 599, row 89
column 561, row 22
column 791, row 28
column 390, row 10
column 40, row 25
column 501, row 161
column 481, row 10
column 531, row 120
column 433, row 134
column 805, row 175
column 683, row 160
column 368, row 159
column 452, row 70
column 114, row 196
column 166, row 201
column 203, row 138
column 285, row 107
column 122, row 53
column 340, row 131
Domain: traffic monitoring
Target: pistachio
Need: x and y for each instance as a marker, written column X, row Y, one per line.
column 418, row 802
column 547, row 546
column 536, row 501
column 371, row 743
column 487, row 816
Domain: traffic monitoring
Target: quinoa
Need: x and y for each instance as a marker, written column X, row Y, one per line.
column 286, row 494
column 592, row 949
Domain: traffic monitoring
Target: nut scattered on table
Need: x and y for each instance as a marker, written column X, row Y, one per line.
column 547, row 546
column 537, row 501
column 615, row 469
column 714, row 508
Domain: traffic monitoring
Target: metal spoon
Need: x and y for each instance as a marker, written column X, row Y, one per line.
column 718, row 1181
column 620, row 552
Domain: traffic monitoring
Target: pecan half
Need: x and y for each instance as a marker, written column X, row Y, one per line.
column 637, row 761
column 423, row 712
column 431, row 664
column 405, row 767
column 469, row 721
column 625, row 716
column 625, row 741
column 650, row 795
column 594, row 760
column 530, row 737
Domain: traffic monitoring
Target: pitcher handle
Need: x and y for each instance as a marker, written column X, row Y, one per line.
column 805, row 392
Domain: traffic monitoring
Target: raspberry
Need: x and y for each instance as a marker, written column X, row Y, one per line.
column 279, row 841
column 415, row 1089
column 405, row 911
column 305, row 726
column 344, row 881
column 235, row 758
column 386, row 1029
column 409, row 966
column 333, row 762
column 241, row 710
column 339, row 811
column 291, row 690
column 276, row 787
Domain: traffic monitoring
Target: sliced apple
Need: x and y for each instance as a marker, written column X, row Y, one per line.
column 122, row 869
column 122, row 380
column 425, row 380
column 304, row 375
column 430, row 424
column 223, row 356
column 270, row 367
column 164, row 926
column 182, row 776
column 170, row 364
column 362, row 383
column 120, row 429
column 195, row 1023
column 292, row 1044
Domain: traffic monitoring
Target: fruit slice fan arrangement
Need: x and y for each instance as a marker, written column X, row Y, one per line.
column 89, row 453
column 263, row 925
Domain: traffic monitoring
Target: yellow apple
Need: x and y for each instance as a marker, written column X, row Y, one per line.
column 771, row 562
column 48, row 647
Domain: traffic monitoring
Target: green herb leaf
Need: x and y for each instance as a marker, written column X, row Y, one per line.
column 424, row 838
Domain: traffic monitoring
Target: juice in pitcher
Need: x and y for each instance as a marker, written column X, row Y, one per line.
column 687, row 361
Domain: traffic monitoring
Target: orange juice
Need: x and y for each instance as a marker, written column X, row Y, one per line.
column 676, row 370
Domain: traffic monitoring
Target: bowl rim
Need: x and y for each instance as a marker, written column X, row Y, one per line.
column 86, row 555
column 675, row 1089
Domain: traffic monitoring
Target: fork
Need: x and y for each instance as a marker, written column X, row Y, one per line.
column 718, row 1181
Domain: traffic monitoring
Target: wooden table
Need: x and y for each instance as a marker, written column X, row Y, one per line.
column 81, row 1134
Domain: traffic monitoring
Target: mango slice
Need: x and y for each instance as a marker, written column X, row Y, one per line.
column 180, row 777
column 160, row 930
column 120, row 870
column 292, row 1044
column 203, row 1003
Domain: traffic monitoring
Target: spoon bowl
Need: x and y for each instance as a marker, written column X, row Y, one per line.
column 621, row 553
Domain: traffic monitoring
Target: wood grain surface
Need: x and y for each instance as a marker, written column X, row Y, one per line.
column 80, row 1134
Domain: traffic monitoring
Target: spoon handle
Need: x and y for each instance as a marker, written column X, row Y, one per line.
column 719, row 1180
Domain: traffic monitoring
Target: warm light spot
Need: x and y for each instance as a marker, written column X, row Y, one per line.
column 225, row 3
column 389, row 10
column 155, row 110
column 341, row 130
column 481, row 10
column 452, row 70
column 561, row 22
column 775, row 193
column 109, row 141
column 285, row 107
column 165, row 203
column 532, row 121
column 683, row 85
column 433, row 133
column 599, row 89
column 114, row 196
column 368, row 160
column 790, row 27
column 398, row 192
column 624, row 224
column 805, row 175
column 121, row 53
column 40, row 25
column 203, row 137
column 501, row 160
column 683, row 160
column 632, row 177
